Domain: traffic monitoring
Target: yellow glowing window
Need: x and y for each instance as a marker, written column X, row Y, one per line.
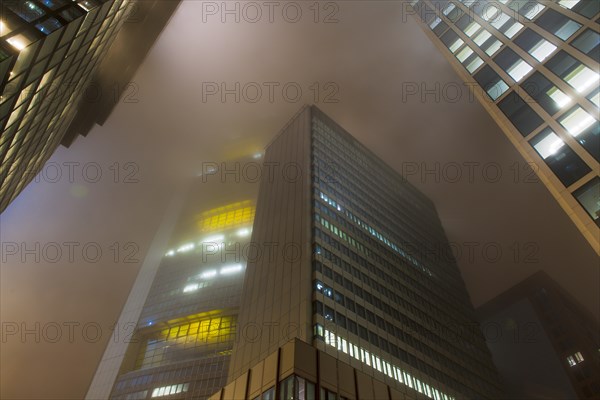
column 228, row 216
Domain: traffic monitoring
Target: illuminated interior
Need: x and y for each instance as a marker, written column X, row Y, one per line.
column 228, row 216
column 197, row 337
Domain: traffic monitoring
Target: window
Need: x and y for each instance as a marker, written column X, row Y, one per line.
column 594, row 97
column 558, row 24
column 560, row 158
column 440, row 28
column 519, row 113
column 452, row 41
column 474, row 64
column 545, row 93
column 589, row 43
column 269, row 394
column 512, row 64
column 584, row 128
column 573, row 72
column 586, row 8
column 534, row 44
column 27, row 10
column 527, row 8
column 467, row 25
column 295, row 388
column 491, row 82
column 589, row 197
column 574, row 359
column 452, row 12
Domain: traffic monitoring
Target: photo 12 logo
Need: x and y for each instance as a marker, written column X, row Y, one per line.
column 253, row 12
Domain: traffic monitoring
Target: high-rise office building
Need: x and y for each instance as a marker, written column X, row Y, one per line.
column 533, row 65
column 362, row 272
column 177, row 328
column 48, row 51
column 544, row 343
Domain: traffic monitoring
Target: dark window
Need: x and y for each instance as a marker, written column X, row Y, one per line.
column 587, row 8
column 545, row 93
column 557, row 24
column 589, row 43
column 491, row 82
column 440, row 28
column 588, row 196
column 519, row 113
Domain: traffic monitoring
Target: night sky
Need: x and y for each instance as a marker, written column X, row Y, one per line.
column 166, row 131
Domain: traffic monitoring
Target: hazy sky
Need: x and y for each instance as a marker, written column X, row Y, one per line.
column 365, row 61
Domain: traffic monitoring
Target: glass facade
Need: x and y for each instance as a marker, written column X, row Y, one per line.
column 48, row 52
column 186, row 330
column 375, row 286
column 536, row 62
column 386, row 289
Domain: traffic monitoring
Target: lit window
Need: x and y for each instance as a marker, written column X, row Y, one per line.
column 435, row 22
column 491, row 12
column 243, row 232
column 534, row 10
column 19, row 42
column 542, row 50
column 519, row 70
column 231, row 269
column 208, row 274
column 472, row 28
column 513, row 29
column 185, row 248
column 473, row 65
column 449, row 8
column 514, row 65
column 574, row 359
column 535, row 44
column 464, row 53
column 493, row 48
column 549, row 145
column 577, row 121
column 568, row 3
column 482, row 37
column 559, row 97
column 499, row 19
column 453, row 47
column 5, row 29
column 582, row 78
column 190, row 288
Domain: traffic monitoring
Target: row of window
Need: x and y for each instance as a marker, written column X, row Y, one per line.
column 374, row 232
column 441, row 288
column 377, row 363
column 442, row 337
column 400, row 217
column 354, row 159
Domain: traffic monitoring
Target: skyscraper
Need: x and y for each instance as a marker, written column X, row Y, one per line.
column 176, row 331
column 48, row 51
column 362, row 271
column 544, row 343
column 534, row 67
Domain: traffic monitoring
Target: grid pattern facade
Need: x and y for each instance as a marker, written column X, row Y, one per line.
column 186, row 330
column 48, row 51
column 376, row 276
column 374, row 288
column 534, row 67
